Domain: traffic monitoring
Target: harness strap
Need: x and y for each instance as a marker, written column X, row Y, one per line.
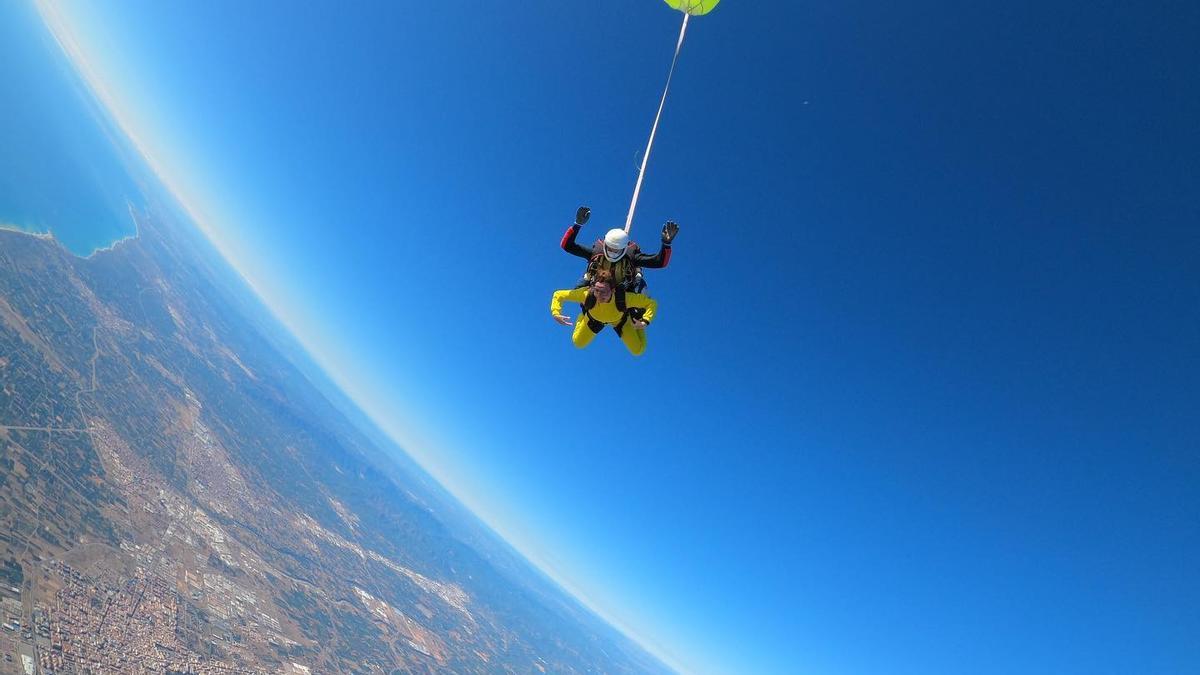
column 620, row 327
column 596, row 325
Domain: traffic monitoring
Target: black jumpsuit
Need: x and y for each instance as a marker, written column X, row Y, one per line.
column 637, row 258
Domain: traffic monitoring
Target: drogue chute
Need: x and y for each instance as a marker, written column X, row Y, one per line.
column 693, row 7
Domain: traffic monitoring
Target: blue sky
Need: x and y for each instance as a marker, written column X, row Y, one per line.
column 923, row 393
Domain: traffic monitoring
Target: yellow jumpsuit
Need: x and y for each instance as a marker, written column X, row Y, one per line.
column 605, row 314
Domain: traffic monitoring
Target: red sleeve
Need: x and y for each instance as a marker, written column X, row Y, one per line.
column 656, row 261
column 569, row 236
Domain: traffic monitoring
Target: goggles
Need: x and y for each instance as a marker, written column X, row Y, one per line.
column 614, row 253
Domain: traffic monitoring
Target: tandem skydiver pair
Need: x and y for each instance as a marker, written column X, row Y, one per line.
column 612, row 290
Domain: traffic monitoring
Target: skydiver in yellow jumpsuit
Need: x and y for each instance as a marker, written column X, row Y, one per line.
column 603, row 306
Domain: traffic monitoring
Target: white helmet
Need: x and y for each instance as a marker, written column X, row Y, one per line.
column 615, row 243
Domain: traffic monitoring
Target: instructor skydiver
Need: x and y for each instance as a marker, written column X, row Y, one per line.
column 616, row 253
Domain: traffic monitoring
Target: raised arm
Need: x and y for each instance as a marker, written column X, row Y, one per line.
column 660, row 259
column 568, row 241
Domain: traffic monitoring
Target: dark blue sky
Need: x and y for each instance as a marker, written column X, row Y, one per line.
column 922, row 397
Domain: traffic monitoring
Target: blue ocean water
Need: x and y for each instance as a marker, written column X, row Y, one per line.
column 63, row 167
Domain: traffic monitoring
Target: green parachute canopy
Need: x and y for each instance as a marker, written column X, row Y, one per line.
column 693, row 7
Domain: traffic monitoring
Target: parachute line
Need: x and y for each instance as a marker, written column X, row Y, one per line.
column 654, row 129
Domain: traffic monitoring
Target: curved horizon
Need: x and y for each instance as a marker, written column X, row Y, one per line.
column 920, row 396
column 59, row 27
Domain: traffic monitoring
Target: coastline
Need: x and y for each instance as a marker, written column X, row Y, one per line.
column 48, row 235
column 12, row 227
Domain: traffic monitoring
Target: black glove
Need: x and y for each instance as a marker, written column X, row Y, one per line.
column 669, row 231
column 582, row 215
